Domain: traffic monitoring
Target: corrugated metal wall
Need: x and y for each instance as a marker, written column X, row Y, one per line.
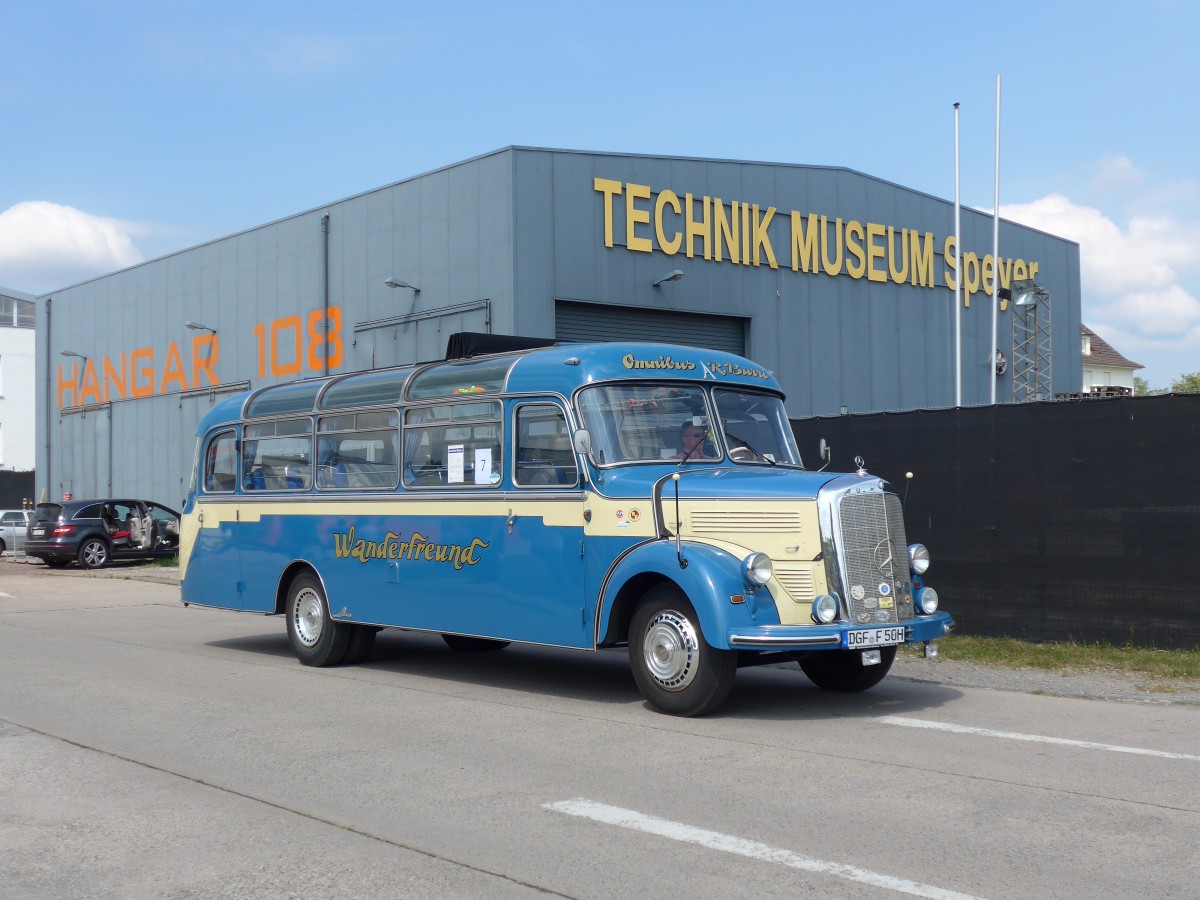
column 492, row 244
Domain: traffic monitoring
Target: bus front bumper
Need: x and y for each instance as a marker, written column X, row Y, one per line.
column 839, row 636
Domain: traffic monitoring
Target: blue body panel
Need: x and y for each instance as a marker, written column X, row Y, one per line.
column 508, row 561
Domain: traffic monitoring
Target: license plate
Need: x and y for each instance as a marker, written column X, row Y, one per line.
column 38, row 532
column 874, row 637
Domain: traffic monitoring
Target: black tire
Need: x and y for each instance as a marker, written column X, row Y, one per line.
column 362, row 640
column 460, row 643
column 674, row 667
column 94, row 553
column 57, row 563
column 316, row 639
column 843, row 671
column 2, row 548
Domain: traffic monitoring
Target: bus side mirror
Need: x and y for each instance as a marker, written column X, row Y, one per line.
column 826, row 453
column 583, row 441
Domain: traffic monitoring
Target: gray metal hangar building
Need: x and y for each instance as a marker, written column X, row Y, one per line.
column 840, row 283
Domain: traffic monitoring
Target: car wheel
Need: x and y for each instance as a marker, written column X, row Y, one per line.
column 2, row 548
column 93, row 553
column 463, row 644
column 843, row 671
column 316, row 639
column 674, row 667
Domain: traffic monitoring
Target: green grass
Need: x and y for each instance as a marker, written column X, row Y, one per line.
column 163, row 562
column 1071, row 656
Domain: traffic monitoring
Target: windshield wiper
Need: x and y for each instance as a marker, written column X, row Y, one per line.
column 742, row 442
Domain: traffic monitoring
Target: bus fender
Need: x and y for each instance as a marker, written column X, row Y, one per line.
column 712, row 581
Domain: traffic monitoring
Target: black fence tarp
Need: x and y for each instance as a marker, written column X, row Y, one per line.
column 15, row 488
column 1046, row 521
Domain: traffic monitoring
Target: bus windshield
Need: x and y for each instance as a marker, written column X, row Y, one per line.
column 641, row 422
column 756, row 428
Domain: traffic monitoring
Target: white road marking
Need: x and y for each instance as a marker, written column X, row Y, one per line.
column 9, row 596
column 1038, row 738
column 714, row 840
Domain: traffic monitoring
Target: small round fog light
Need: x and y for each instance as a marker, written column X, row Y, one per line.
column 825, row 609
column 918, row 558
column 928, row 600
column 757, row 568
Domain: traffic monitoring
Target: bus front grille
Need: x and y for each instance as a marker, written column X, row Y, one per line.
column 875, row 555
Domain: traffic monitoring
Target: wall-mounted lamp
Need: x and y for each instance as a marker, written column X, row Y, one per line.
column 393, row 283
column 71, row 353
column 196, row 326
column 673, row 275
column 1025, row 293
column 998, row 362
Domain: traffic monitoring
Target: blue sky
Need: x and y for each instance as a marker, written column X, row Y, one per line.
column 133, row 129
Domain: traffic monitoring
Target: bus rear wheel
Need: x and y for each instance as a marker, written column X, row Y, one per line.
column 676, row 670
column 843, row 671
column 316, row 639
column 460, row 643
column 362, row 640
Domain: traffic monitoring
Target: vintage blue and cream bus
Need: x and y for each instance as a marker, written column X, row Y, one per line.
column 579, row 495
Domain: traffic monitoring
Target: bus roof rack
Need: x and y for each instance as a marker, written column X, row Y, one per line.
column 465, row 344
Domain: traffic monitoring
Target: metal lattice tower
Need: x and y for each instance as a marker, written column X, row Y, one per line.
column 1031, row 343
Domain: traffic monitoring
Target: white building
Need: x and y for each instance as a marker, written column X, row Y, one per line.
column 1105, row 371
column 17, row 377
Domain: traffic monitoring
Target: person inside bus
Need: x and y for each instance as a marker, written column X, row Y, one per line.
column 693, row 441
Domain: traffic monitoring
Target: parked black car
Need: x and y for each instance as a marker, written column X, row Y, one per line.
column 96, row 532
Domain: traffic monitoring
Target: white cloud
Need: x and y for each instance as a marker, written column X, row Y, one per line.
column 1116, row 173
column 240, row 52
column 1136, row 277
column 44, row 246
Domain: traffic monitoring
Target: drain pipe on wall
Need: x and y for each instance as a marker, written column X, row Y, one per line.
column 325, row 286
column 49, row 361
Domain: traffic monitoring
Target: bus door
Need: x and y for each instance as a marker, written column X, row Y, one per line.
column 214, row 565
column 541, row 591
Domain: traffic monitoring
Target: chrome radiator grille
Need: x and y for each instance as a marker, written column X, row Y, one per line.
column 875, row 555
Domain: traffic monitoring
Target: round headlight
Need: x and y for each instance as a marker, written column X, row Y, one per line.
column 918, row 558
column 928, row 601
column 757, row 568
column 825, row 609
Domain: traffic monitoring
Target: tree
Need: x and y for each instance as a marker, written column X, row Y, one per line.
column 1186, row 384
column 1141, row 387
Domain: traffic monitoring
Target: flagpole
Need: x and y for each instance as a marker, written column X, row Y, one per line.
column 996, row 247
column 957, row 271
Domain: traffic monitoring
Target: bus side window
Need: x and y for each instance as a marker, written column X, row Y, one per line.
column 544, row 456
column 277, row 456
column 220, row 464
column 358, row 450
column 453, row 444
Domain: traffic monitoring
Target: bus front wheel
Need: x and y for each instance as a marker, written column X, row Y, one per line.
column 674, row 667
column 843, row 671
column 316, row 639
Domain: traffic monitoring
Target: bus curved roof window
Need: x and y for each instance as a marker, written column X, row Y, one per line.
column 460, row 379
column 279, row 399
column 366, row 389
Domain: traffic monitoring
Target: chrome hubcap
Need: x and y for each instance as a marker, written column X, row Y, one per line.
column 671, row 650
column 308, row 615
column 93, row 554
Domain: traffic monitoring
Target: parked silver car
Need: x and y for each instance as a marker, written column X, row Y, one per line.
column 13, row 524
